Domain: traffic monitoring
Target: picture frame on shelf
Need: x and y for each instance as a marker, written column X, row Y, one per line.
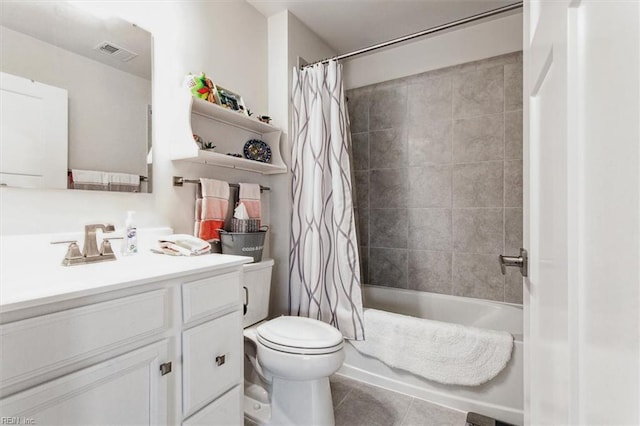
column 230, row 100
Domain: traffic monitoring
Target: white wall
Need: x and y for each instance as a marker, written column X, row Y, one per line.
column 107, row 107
column 467, row 44
column 188, row 37
column 288, row 39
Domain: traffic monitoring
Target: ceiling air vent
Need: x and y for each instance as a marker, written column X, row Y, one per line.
column 115, row 51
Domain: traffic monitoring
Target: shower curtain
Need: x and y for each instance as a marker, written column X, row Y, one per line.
column 324, row 265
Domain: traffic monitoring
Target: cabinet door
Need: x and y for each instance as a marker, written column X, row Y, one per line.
column 224, row 411
column 212, row 356
column 33, row 133
column 126, row 390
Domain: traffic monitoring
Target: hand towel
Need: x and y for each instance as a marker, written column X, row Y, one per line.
column 250, row 197
column 198, row 216
column 123, row 182
column 214, row 203
column 439, row 351
column 89, row 179
column 183, row 245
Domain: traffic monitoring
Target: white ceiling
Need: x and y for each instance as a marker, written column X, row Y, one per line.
column 79, row 31
column 347, row 25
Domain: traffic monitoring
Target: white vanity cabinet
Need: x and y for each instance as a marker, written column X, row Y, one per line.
column 124, row 390
column 212, row 344
column 165, row 351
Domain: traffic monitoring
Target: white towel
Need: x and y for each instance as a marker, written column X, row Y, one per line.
column 89, row 179
column 89, row 176
column 123, row 178
column 439, row 351
column 123, row 182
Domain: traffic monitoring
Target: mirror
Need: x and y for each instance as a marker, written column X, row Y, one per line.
column 75, row 98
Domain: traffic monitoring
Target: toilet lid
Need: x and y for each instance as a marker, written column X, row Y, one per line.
column 290, row 333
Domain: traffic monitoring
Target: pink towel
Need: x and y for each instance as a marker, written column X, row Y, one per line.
column 250, row 197
column 212, row 203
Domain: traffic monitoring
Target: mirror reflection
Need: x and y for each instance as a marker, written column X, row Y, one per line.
column 75, row 98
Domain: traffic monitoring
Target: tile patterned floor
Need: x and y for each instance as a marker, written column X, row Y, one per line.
column 359, row 404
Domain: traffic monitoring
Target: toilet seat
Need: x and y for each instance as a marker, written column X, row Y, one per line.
column 299, row 335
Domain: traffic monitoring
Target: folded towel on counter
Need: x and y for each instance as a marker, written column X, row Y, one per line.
column 439, row 351
column 183, row 245
column 250, row 196
column 89, row 179
column 212, row 203
column 123, row 182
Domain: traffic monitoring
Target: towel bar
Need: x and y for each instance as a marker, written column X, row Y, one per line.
column 180, row 181
column 142, row 178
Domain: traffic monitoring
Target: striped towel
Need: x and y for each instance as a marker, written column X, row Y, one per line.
column 212, row 203
column 250, row 197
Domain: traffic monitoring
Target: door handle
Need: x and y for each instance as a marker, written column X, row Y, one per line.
column 521, row 262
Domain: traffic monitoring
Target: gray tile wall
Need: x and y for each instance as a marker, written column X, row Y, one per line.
column 438, row 178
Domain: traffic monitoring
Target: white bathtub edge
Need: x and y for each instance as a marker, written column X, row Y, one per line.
column 506, row 414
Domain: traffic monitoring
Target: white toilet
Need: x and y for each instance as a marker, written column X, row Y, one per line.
column 288, row 360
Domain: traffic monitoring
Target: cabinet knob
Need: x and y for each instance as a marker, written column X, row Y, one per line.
column 220, row 359
column 165, row 368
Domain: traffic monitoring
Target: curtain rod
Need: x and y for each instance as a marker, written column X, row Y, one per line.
column 180, row 181
column 422, row 33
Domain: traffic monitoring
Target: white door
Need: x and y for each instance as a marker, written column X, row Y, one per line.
column 582, row 212
column 33, row 133
column 127, row 390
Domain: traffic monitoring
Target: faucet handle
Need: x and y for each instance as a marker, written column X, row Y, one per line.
column 73, row 255
column 106, row 249
column 73, row 250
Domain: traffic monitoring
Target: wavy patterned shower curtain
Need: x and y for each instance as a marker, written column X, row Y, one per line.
column 324, row 267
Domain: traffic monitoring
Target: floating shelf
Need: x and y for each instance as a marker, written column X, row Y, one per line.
column 229, row 130
column 216, row 159
column 234, row 118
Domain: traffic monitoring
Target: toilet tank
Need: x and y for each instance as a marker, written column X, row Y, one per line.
column 257, row 282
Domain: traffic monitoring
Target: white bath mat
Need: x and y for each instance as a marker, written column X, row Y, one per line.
column 443, row 352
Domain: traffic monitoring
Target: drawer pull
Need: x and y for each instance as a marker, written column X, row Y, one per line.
column 246, row 300
column 165, row 368
column 220, row 359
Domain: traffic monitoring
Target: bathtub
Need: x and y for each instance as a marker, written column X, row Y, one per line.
column 501, row 398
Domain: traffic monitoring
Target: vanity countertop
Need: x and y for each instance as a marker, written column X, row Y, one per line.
column 31, row 273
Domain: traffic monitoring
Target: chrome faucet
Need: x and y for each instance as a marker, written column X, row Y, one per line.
column 90, row 252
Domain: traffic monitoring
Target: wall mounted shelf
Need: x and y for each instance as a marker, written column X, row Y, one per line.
column 229, row 131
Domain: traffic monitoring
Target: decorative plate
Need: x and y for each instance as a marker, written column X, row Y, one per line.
column 257, row 150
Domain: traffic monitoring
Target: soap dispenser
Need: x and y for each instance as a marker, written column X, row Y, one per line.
column 130, row 245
